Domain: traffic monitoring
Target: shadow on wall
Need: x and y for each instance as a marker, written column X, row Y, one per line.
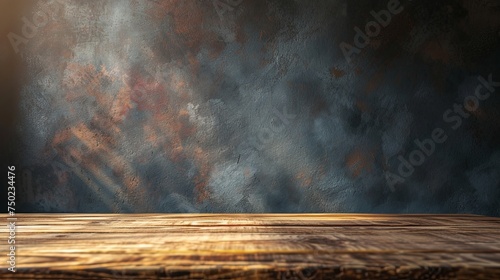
column 11, row 78
column 258, row 106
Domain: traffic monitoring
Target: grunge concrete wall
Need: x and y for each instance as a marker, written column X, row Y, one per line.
column 259, row 106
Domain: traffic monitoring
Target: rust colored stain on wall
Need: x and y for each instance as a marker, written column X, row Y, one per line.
column 179, row 106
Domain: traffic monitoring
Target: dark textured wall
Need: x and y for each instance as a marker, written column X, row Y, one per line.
column 258, row 106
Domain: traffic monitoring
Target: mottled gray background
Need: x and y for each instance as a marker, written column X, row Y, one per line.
column 177, row 106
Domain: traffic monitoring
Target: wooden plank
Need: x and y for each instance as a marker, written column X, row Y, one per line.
column 255, row 246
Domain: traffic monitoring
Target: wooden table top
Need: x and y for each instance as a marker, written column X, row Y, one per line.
column 253, row 246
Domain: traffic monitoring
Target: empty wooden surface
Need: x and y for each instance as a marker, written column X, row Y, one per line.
column 254, row 246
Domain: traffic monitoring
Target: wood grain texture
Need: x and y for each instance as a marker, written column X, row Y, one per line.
column 254, row 246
